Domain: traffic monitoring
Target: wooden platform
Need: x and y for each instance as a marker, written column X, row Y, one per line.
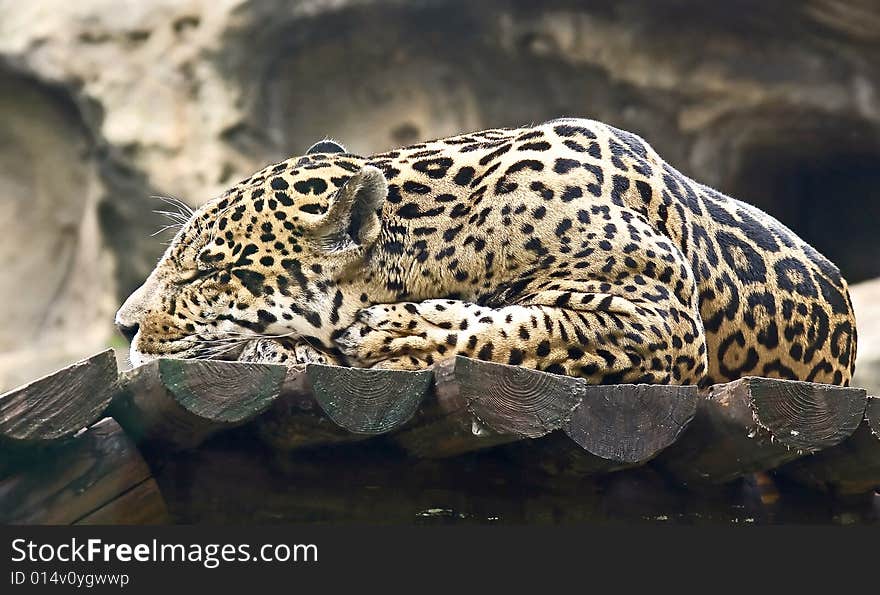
column 192, row 440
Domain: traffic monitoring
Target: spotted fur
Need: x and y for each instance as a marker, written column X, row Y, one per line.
column 569, row 247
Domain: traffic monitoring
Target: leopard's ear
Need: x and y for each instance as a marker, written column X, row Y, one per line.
column 326, row 146
column 352, row 219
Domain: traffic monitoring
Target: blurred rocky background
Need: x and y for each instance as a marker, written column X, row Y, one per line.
column 105, row 103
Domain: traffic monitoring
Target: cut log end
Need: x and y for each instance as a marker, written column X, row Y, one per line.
column 631, row 424
column 223, row 392
column 805, row 416
column 517, row 401
column 296, row 420
column 758, row 424
column 180, row 403
column 872, row 415
column 368, row 401
column 849, row 468
column 60, row 404
column 477, row 405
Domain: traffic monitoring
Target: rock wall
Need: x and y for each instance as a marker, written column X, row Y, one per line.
column 103, row 105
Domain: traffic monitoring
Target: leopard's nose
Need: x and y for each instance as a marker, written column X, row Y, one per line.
column 128, row 331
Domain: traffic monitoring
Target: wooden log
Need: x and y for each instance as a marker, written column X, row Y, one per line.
column 848, row 469
column 477, row 405
column 296, row 420
column 323, row 405
column 81, row 477
column 630, row 424
column 368, row 401
column 613, row 427
column 180, row 403
column 141, row 505
column 59, row 405
column 756, row 424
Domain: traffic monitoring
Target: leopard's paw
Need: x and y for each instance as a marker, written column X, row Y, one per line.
column 284, row 351
column 428, row 316
column 402, row 363
column 410, row 335
column 365, row 346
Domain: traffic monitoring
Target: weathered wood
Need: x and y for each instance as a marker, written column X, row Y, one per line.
column 180, row 403
column 141, row 505
column 478, row 405
column 850, row 468
column 613, row 427
column 296, row 420
column 630, row 424
column 57, row 406
column 444, row 425
column 77, row 478
column 756, row 424
column 368, row 401
column 323, row 405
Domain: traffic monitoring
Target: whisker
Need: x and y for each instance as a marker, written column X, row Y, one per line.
column 165, row 228
column 175, row 202
column 218, row 341
column 212, row 351
column 174, row 216
column 252, row 335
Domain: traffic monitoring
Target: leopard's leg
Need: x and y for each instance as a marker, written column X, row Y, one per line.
column 597, row 335
column 285, row 351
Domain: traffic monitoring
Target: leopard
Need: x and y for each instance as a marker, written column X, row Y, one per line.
column 569, row 247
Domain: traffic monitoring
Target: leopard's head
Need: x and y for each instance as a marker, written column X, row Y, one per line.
column 273, row 256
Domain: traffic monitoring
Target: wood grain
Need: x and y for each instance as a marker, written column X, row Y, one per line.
column 478, row 405
column 296, row 420
column 613, row 427
column 74, row 479
column 756, row 424
column 368, row 401
column 180, row 403
column 58, row 405
column 850, row 468
column 630, row 424
column 141, row 505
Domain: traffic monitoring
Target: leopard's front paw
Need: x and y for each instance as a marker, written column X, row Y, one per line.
column 366, row 347
column 284, row 351
column 394, row 336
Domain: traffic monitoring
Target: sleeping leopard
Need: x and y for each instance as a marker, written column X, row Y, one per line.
column 569, row 247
